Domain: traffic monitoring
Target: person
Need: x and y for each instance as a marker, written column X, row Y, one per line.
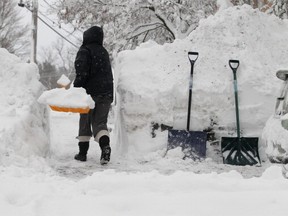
column 94, row 73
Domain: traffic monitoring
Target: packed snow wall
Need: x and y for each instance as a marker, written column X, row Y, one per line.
column 24, row 128
column 153, row 79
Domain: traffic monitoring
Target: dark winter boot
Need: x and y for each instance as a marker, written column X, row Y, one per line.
column 83, row 148
column 106, row 150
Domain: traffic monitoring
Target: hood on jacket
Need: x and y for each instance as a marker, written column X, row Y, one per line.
column 93, row 35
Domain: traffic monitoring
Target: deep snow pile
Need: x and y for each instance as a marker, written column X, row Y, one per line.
column 153, row 79
column 24, row 128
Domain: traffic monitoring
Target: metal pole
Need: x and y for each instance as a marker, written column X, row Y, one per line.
column 34, row 31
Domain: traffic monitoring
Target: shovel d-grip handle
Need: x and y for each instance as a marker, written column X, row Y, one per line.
column 193, row 56
column 234, row 64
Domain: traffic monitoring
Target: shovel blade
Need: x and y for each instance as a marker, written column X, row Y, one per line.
column 193, row 143
column 240, row 151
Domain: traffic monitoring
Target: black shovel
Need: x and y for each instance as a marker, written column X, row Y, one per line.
column 193, row 143
column 239, row 150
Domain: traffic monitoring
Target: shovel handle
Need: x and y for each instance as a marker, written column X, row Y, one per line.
column 234, row 64
column 193, row 56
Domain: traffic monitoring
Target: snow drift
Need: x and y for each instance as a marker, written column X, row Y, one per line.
column 153, row 79
column 24, row 129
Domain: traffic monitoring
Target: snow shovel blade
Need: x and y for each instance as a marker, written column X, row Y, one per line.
column 193, row 143
column 240, row 151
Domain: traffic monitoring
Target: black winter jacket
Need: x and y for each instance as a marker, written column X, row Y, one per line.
column 92, row 65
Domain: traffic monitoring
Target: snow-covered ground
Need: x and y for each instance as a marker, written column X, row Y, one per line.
column 38, row 175
column 59, row 185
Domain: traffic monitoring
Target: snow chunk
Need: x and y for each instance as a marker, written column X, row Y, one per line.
column 175, row 153
column 63, row 81
column 72, row 98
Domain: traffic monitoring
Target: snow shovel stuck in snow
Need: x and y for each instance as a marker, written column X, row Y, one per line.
column 239, row 150
column 193, row 143
column 281, row 103
column 281, row 108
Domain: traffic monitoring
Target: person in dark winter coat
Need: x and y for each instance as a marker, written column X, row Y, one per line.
column 94, row 73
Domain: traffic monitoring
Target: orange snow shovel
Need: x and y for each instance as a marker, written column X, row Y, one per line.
column 239, row 150
column 192, row 143
column 69, row 109
column 81, row 110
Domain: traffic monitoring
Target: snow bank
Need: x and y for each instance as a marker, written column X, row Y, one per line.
column 153, row 79
column 24, row 129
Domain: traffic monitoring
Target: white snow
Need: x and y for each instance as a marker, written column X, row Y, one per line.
column 72, row 98
column 223, row 4
column 119, row 193
column 24, row 128
column 63, row 81
column 153, row 79
column 39, row 177
column 277, row 139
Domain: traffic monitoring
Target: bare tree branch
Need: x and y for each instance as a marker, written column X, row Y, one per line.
column 13, row 34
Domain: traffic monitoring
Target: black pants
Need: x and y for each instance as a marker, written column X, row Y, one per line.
column 95, row 122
